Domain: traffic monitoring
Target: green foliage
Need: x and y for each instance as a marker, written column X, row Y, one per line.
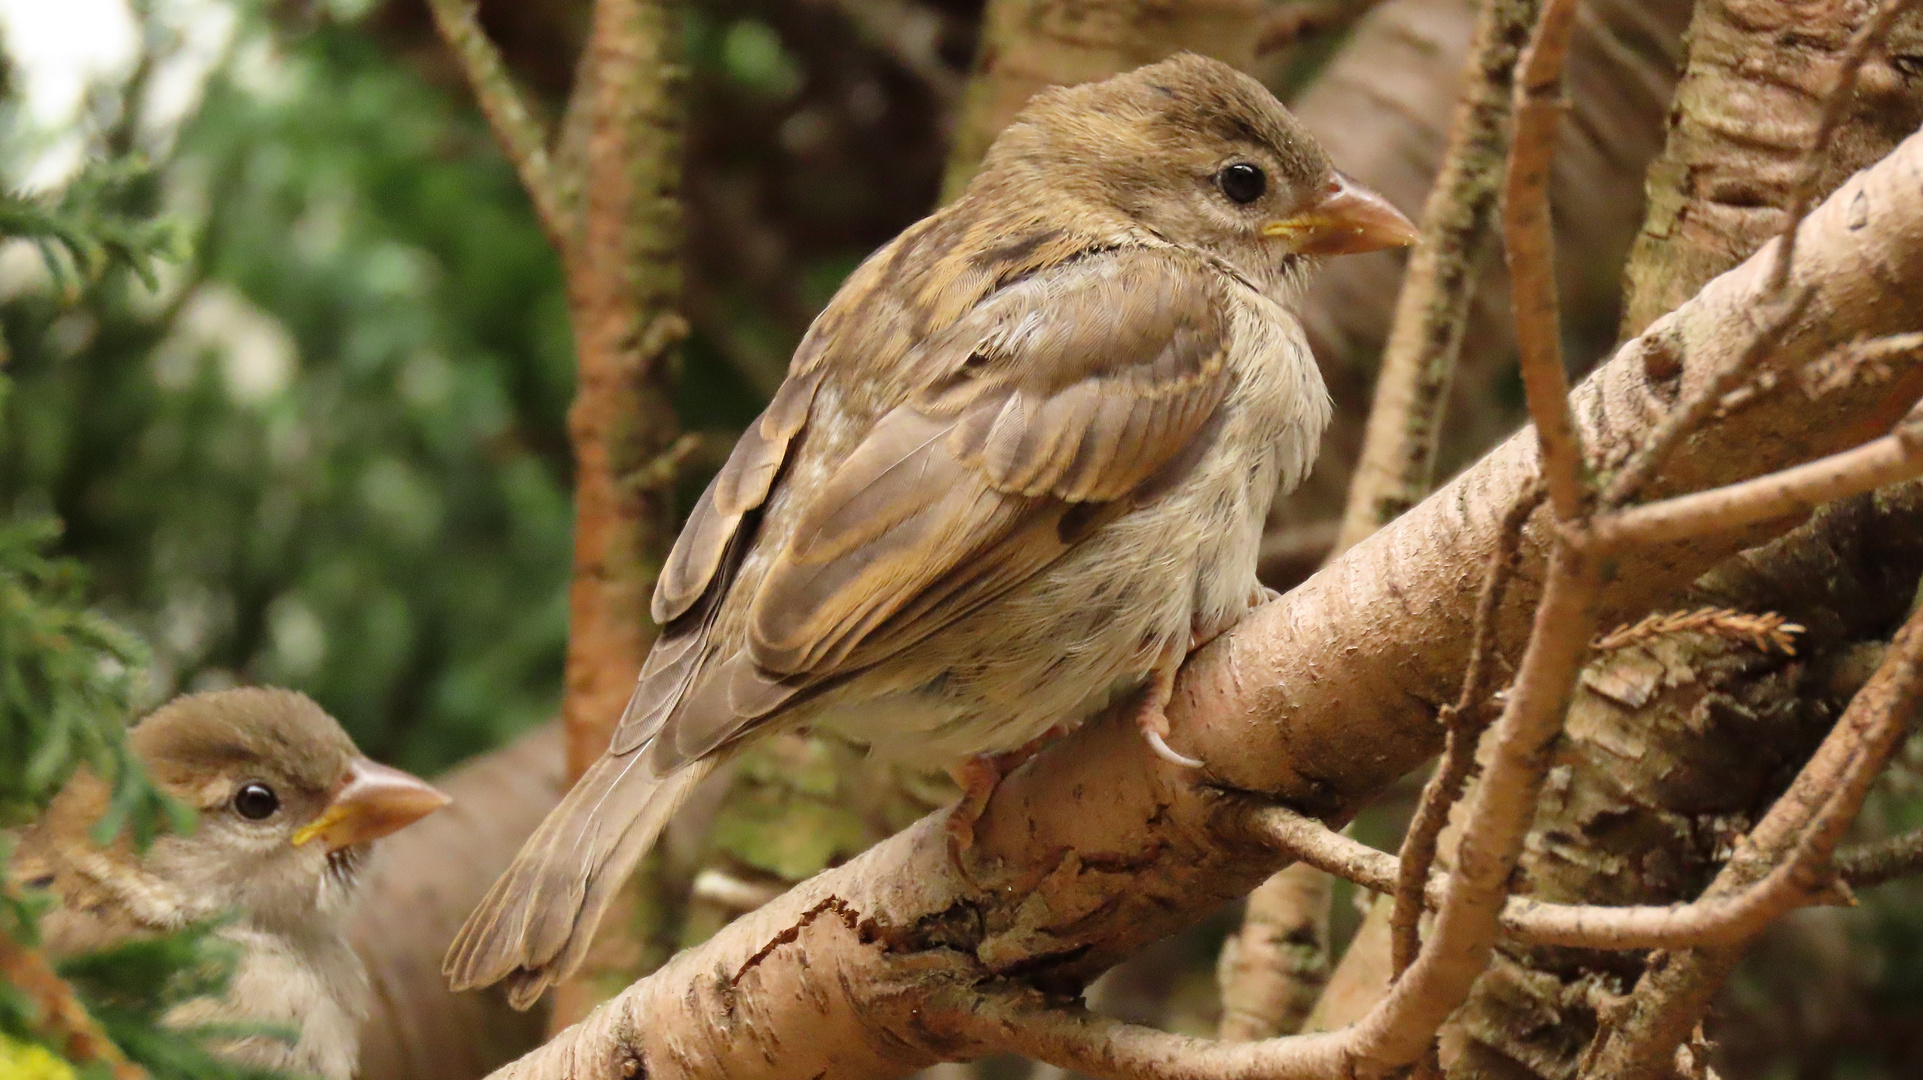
column 329, row 451
column 64, row 689
column 84, row 220
column 126, row 987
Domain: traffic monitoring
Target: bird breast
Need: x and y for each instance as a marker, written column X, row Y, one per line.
column 1088, row 628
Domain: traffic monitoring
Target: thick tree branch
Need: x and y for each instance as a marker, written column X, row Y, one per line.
column 1318, row 700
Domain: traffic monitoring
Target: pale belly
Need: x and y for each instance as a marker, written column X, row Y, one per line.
column 1062, row 646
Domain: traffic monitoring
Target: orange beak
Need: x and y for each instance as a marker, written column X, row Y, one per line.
column 1348, row 219
column 374, row 801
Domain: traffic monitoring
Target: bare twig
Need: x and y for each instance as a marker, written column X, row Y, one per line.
column 1889, row 460
column 1466, row 721
column 1397, row 463
column 521, row 135
column 1530, row 245
column 1711, row 920
column 1859, row 361
column 1779, row 314
column 1880, row 861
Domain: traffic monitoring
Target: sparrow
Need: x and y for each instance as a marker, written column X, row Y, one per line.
column 1019, row 467
column 286, row 809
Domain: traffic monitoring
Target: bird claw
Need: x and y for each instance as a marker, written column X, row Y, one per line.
column 1152, row 714
column 1168, row 753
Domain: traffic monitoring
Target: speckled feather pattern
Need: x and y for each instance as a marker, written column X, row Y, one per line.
column 1029, row 443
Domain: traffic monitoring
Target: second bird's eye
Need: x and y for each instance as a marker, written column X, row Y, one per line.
column 255, row 801
column 1242, row 182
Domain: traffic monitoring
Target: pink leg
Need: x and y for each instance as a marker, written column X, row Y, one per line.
column 978, row 775
column 1151, row 714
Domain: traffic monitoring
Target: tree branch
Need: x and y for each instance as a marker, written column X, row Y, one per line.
column 1397, row 464
column 1317, row 700
column 1889, row 460
column 522, row 137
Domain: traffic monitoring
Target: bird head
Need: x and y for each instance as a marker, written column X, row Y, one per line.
column 1204, row 156
column 286, row 805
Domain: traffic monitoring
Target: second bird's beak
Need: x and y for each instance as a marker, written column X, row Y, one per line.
column 374, row 801
column 1348, row 219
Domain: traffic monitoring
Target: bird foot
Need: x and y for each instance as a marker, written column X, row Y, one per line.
column 1200, row 634
column 1151, row 715
column 978, row 775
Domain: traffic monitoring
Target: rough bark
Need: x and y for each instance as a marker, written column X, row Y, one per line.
column 1673, row 748
column 1658, row 776
column 624, row 279
column 415, row 893
column 1319, row 700
column 1757, row 74
column 1275, row 966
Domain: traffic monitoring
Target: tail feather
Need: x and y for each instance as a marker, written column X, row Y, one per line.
column 534, row 926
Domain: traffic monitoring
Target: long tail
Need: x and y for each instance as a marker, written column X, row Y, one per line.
column 534, row 926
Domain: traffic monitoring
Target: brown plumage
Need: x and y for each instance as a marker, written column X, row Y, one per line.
column 1023, row 455
column 286, row 808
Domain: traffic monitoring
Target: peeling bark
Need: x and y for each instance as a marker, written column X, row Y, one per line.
column 1319, row 700
column 1740, row 128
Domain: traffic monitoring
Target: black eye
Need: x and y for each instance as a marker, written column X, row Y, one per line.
column 256, row 801
column 1242, row 182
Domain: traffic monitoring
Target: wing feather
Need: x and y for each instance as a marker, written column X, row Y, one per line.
column 956, row 496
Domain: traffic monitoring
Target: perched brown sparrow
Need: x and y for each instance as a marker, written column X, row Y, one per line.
column 286, row 810
column 1018, row 466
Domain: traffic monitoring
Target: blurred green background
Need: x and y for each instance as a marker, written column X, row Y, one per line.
column 326, row 448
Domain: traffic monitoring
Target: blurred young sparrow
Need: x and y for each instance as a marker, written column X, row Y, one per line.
column 287, row 808
column 1019, row 465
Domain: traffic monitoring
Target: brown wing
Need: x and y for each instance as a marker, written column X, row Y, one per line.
column 1052, row 404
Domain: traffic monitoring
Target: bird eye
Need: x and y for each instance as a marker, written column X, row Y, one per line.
column 1242, row 182
column 256, row 801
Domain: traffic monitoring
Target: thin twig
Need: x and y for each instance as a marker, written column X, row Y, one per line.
column 1889, row 460
column 1466, row 721
column 1880, row 861
column 1707, row 921
column 1397, row 464
column 522, row 137
column 1530, row 246
column 1779, row 315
